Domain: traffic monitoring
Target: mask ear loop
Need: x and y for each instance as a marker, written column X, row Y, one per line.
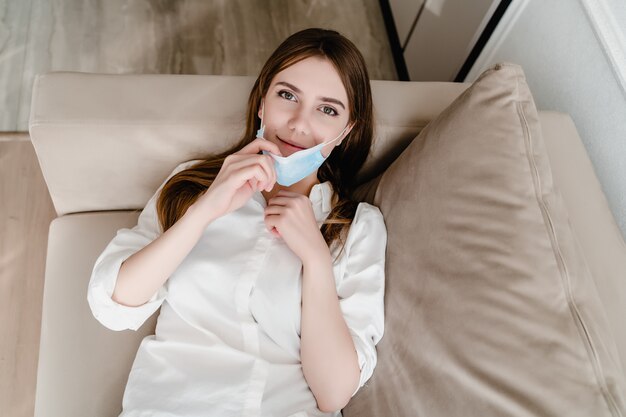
column 340, row 133
column 261, row 131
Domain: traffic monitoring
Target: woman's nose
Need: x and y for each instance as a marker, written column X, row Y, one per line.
column 299, row 123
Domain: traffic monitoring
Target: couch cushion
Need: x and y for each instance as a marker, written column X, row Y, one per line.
column 83, row 366
column 490, row 306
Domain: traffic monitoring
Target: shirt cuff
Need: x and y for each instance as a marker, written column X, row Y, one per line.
column 366, row 370
column 111, row 314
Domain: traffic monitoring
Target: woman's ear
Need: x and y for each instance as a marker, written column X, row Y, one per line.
column 260, row 111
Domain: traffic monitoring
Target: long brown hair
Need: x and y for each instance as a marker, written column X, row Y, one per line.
column 340, row 168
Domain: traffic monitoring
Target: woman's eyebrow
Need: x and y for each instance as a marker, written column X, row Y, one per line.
column 297, row 90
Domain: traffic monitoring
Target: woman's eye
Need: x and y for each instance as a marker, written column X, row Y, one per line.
column 286, row 95
column 329, row 111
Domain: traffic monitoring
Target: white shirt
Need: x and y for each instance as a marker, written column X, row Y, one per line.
column 227, row 339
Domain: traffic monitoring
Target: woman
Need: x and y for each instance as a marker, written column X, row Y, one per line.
column 269, row 277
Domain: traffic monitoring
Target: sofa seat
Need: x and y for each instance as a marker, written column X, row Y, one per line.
column 67, row 376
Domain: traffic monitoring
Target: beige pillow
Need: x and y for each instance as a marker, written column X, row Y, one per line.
column 490, row 309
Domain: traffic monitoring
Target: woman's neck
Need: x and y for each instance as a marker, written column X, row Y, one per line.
column 303, row 187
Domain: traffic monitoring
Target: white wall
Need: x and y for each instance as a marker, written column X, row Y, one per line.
column 573, row 54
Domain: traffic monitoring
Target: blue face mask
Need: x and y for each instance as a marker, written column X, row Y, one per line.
column 293, row 168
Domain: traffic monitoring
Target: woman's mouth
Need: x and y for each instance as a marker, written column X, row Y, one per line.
column 289, row 145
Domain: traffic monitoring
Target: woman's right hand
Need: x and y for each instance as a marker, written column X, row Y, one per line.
column 242, row 174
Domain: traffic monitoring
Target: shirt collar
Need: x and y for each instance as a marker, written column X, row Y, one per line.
column 321, row 196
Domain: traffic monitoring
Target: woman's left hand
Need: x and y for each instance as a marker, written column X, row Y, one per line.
column 290, row 216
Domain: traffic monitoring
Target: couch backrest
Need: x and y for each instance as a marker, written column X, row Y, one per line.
column 106, row 141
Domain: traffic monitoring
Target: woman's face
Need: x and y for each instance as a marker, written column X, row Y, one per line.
column 305, row 105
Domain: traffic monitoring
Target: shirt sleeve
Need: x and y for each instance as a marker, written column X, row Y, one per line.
column 362, row 288
column 106, row 268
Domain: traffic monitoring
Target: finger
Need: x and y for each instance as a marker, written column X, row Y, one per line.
column 273, row 170
column 266, row 163
column 270, row 221
column 253, row 174
column 242, row 160
column 257, row 145
column 274, row 210
column 279, row 201
column 262, row 173
column 273, row 230
column 291, row 197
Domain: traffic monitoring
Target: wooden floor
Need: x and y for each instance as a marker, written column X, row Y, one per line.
column 25, row 214
column 120, row 36
column 232, row 37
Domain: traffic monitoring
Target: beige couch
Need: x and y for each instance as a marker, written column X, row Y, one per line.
column 105, row 142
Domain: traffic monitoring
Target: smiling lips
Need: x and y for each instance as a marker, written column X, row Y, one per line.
column 289, row 144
